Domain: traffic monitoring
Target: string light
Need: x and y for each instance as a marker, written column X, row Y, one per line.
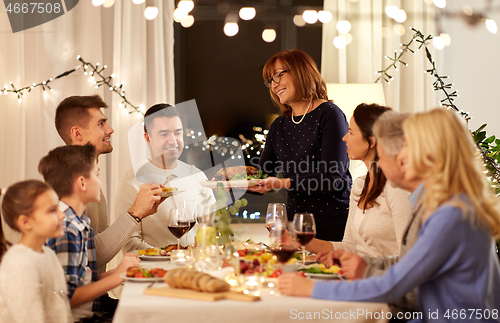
column 488, row 152
column 151, row 13
column 231, row 29
column 310, row 16
column 491, row 25
column 325, row 16
column 269, row 35
column 186, row 5
column 247, row 13
column 180, row 14
column 299, row 21
column 343, row 26
column 98, row 79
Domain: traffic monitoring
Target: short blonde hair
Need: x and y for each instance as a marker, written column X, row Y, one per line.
column 442, row 152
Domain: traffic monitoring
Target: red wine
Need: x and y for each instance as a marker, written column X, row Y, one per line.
column 191, row 224
column 283, row 254
column 178, row 230
column 304, row 237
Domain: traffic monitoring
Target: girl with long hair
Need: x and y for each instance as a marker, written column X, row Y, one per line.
column 30, row 272
column 453, row 263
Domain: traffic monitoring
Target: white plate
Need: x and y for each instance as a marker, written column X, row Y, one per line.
column 142, row 280
column 170, row 193
column 325, row 276
column 229, row 184
column 154, row 258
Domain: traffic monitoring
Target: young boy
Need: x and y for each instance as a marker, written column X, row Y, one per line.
column 73, row 173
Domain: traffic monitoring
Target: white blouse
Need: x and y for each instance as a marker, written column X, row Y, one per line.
column 377, row 231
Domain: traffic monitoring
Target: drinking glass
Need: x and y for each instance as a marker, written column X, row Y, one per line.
column 276, row 213
column 283, row 241
column 190, row 214
column 206, row 228
column 305, row 228
column 178, row 224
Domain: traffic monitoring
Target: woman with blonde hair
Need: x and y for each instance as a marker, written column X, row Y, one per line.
column 453, row 263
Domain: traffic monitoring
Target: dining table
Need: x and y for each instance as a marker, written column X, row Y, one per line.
column 134, row 306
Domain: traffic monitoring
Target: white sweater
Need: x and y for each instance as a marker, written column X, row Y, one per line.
column 379, row 230
column 30, row 285
column 153, row 231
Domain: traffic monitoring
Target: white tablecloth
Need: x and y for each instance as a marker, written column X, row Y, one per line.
column 135, row 307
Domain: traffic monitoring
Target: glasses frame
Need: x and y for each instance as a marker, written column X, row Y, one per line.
column 278, row 75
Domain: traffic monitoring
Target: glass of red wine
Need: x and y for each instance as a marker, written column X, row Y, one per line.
column 305, row 229
column 188, row 207
column 276, row 213
column 178, row 224
column 283, row 241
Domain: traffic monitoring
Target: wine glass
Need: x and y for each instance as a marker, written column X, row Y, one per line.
column 190, row 214
column 276, row 213
column 178, row 224
column 283, row 241
column 305, row 228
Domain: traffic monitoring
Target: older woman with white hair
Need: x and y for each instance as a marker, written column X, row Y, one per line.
column 453, row 263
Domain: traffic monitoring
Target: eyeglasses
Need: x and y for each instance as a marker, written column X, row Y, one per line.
column 276, row 78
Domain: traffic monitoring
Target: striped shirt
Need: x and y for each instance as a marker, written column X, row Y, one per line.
column 75, row 249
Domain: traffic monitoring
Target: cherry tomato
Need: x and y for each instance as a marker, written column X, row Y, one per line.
column 139, row 275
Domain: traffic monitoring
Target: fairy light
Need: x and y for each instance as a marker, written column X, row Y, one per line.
column 97, row 79
column 485, row 145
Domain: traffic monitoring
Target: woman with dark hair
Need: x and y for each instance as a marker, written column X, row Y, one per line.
column 378, row 211
column 305, row 144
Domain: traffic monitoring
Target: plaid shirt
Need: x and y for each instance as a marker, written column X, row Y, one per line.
column 75, row 249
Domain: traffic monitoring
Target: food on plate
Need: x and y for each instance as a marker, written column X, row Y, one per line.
column 259, row 262
column 322, row 269
column 137, row 272
column 238, row 173
column 152, row 252
column 169, row 189
column 193, row 279
column 158, row 251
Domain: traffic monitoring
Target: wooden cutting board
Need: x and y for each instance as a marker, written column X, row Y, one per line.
column 192, row 294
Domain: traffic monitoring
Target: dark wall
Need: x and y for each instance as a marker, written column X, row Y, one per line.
column 224, row 74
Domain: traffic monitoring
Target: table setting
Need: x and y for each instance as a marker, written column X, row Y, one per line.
column 246, row 273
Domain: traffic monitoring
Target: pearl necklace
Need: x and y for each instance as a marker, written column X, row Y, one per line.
column 304, row 113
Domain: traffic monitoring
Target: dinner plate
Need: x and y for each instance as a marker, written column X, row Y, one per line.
column 229, row 184
column 325, row 276
column 154, row 258
column 170, row 193
column 141, row 280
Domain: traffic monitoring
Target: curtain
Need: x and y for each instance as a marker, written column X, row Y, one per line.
column 138, row 51
column 411, row 88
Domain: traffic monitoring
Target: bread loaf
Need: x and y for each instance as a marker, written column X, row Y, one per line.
column 192, row 279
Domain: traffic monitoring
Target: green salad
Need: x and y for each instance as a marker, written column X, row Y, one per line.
column 244, row 176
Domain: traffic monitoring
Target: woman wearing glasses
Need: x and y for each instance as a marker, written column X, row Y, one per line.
column 305, row 143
